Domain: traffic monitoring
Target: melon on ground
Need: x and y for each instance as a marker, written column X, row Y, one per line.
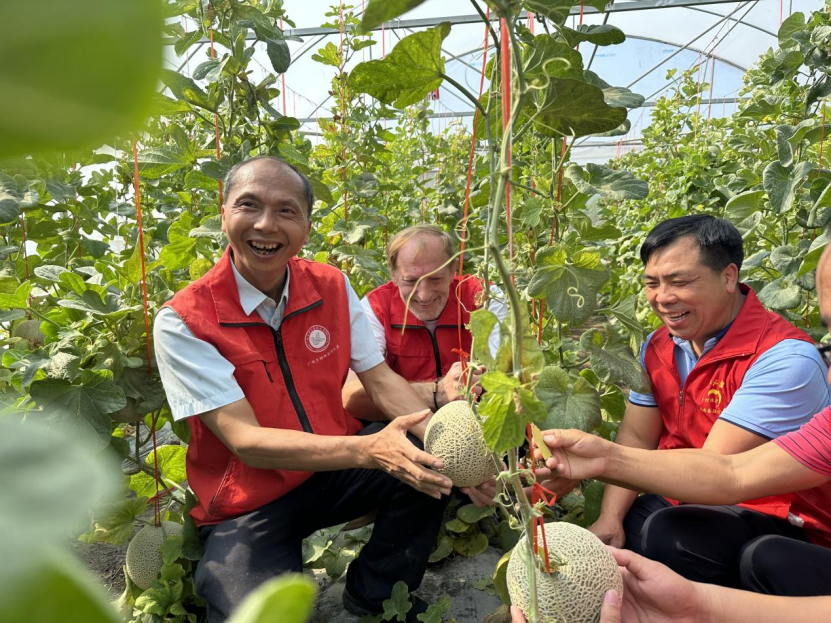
column 455, row 436
column 144, row 558
column 573, row 593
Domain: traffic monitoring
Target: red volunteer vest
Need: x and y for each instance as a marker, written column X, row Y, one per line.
column 292, row 378
column 412, row 351
column 689, row 414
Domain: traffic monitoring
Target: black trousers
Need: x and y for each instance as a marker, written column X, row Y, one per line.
column 243, row 552
column 730, row 546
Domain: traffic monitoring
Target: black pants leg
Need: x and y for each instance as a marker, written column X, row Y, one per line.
column 243, row 552
column 643, row 508
column 704, row 543
column 777, row 565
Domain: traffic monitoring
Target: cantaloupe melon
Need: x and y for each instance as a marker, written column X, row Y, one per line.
column 144, row 558
column 583, row 571
column 455, row 436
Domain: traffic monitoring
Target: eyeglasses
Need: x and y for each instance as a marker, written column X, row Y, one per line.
column 824, row 351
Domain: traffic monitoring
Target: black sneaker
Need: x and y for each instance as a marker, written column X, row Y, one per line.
column 354, row 606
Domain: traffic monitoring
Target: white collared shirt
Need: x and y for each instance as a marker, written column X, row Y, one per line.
column 197, row 378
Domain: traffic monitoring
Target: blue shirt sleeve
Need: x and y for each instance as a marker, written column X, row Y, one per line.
column 781, row 391
column 636, row 398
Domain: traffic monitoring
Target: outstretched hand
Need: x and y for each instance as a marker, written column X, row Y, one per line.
column 652, row 593
column 576, row 455
column 391, row 451
column 453, row 383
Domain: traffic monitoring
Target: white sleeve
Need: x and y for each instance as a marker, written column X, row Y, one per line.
column 499, row 308
column 365, row 353
column 195, row 376
column 377, row 327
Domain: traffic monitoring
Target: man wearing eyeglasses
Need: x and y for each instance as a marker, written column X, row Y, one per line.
column 727, row 376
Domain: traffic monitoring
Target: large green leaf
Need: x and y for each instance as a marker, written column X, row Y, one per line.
column 278, row 54
column 793, row 24
column 508, row 408
column 180, row 252
column 596, row 179
column 786, row 259
column 612, row 360
column 780, row 294
column 743, row 205
column 380, row 11
column 598, row 34
column 614, row 96
column 84, row 408
column 75, row 73
column 573, row 107
column 288, row 599
column 547, row 58
column 569, row 285
column 157, row 162
column 48, row 482
column 482, row 323
column 61, row 590
column 413, row 69
column 571, row 402
column 18, row 300
column 781, row 183
column 625, row 311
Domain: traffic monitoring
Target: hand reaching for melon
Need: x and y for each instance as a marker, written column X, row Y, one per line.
column 391, row 451
column 652, row 593
column 453, row 384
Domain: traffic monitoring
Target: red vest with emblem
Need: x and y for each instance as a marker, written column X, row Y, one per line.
column 412, row 351
column 690, row 413
column 292, row 378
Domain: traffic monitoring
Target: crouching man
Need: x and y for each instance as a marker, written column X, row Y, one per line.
column 255, row 355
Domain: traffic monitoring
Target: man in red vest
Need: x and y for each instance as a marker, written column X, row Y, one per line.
column 774, row 564
column 254, row 355
column 727, row 376
column 420, row 317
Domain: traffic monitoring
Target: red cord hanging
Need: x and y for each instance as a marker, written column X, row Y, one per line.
column 137, row 192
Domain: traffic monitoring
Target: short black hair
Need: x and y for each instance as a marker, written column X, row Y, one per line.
column 308, row 191
column 719, row 242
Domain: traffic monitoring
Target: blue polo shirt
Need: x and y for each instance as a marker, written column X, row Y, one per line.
column 781, row 391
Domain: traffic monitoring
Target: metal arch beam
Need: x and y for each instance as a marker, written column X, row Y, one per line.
column 692, row 49
column 636, row 5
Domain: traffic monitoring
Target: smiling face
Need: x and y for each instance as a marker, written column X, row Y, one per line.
column 265, row 220
column 692, row 300
column 417, row 258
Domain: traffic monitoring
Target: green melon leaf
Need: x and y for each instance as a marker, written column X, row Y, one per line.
column 181, row 250
column 482, row 323
column 62, row 590
column 547, row 58
column 743, row 205
column 413, row 69
column 82, row 72
column 569, row 285
column 780, row 294
column 558, row 10
column 571, row 403
column 613, row 360
column 598, row 34
column 786, row 259
column 398, row 605
column 18, row 300
column 573, row 107
column 596, row 179
column 380, row 11
column 471, row 546
column 470, row 513
column 781, row 183
column 83, row 409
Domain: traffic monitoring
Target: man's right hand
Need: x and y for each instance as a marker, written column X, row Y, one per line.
column 576, row 455
column 391, row 451
column 609, row 530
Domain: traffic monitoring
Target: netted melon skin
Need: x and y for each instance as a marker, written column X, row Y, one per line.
column 575, row 592
column 455, row 436
column 144, row 560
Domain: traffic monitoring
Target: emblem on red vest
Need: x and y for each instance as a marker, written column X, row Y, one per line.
column 317, row 338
